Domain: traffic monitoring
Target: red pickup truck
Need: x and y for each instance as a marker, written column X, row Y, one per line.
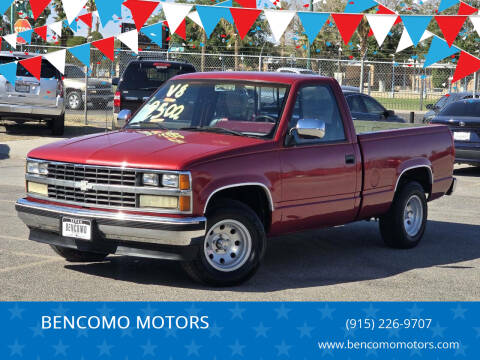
column 215, row 163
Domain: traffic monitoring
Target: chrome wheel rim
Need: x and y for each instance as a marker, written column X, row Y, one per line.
column 413, row 215
column 73, row 101
column 227, row 245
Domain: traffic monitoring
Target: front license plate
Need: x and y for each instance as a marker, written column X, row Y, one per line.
column 22, row 88
column 461, row 135
column 77, row 228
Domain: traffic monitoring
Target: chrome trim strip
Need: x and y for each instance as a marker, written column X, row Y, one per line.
column 414, row 167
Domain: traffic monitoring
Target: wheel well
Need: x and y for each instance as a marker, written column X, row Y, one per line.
column 254, row 196
column 422, row 175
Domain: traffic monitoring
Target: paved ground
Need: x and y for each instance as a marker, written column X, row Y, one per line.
column 343, row 263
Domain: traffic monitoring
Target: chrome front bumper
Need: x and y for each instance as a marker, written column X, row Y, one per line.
column 112, row 230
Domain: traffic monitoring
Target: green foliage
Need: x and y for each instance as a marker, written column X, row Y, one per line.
column 76, row 40
column 440, row 77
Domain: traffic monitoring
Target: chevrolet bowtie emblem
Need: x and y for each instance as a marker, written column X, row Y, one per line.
column 83, row 185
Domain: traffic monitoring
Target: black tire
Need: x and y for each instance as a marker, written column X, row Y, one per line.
column 202, row 271
column 73, row 255
column 392, row 224
column 75, row 100
column 58, row 125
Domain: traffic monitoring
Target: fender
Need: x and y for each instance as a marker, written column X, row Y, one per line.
column 413, row 164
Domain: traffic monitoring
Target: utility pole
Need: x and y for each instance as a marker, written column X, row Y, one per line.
column 308, row 41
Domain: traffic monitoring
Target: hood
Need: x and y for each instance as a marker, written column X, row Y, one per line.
column 151, row 149
column 79, row 83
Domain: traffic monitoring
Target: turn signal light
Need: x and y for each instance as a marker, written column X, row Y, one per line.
column 184, row 203
column 184, row 182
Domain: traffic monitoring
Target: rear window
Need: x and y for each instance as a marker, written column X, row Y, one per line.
column 462, row 108
column 47, row 72
column 150, row 75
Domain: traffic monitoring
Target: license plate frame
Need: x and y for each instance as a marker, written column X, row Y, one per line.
column 82, row 230
column 22, row 88
column 462, row 135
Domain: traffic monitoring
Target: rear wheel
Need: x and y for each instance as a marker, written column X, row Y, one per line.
column 74, row 100
column 58, row 125
column 73, row 255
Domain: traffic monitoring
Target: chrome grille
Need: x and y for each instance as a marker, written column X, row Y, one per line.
column 94, row 197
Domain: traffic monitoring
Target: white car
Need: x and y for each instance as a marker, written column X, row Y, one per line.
column 296, row 71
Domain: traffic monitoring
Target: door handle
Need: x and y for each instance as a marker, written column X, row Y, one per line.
column 350, row 159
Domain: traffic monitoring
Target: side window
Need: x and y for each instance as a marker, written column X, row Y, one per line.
column 318, row 102
column 372, row 106
column 355, row 104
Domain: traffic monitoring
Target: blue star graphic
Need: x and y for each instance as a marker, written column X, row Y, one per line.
column 370, row 312
column 16, row 312
column 237, row 349
column 394, row 332
column 437, row 330
column 415, row 311
column 60, row 348
column 149, row 348
column 192, row 310
column 461, row 350
column 282, row 311
column 215, row 330
column 104, row 348
column 283, row 349
column 305, row 330
column 477, row 329
column 126, row 332
column 237, row 312
column 16, row 349
column 82, row 333
column 192, row 348
column 60, row 310
column 171, row 332
column 327, row 312
column 104, row 310
column 149, row 311
column 459, row 312
column 37, row 331
column 348, row 333
column 261, row 330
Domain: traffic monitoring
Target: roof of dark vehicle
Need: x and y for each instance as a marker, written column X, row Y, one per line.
column 179, row 63
column 278, row 77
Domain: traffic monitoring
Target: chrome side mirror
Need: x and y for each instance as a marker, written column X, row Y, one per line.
column 311, row 127
column 123, row 118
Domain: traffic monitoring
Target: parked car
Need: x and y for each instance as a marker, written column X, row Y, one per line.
column 32, row 99
column 463, row 119
column 293, row 70
column 445, row 100
column 141, row 78
column 99, row 91
column 205, row 172
column 364, row 107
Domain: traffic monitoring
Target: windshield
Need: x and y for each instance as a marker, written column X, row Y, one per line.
column 237, row 108
column 462, row 108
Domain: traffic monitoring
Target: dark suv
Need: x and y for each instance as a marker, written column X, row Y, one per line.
column 141, row 78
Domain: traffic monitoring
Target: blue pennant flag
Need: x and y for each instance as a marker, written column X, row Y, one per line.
column 415, row 26
column 357, row 6
column 445, row 4
column 439, row 50
column 227, row 3
column 106, row 9
column 26, row 35
column 312, row 23
column 9, row 71
column 211, row 15
column 154, row 33
column 82, row 53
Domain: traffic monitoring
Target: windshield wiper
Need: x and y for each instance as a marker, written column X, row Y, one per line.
column 147, row 124
column 213, row 129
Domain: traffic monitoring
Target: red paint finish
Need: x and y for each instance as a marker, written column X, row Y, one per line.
column 310, row 185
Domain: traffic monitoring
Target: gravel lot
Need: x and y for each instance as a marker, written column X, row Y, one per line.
column 343, row 263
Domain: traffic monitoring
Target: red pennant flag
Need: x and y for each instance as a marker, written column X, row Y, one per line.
column 33, row 65
column 466, row 9
column 250, row 4
column 450, row 26
column 384, row 10
column 244, row 19
column 347, row 24
column 42, row 32
column 182, row 30
column 38, row 6
column 467, row 64
column 86, row 19
column 141, row 10
column 106, row 46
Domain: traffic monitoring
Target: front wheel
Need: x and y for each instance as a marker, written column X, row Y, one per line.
column 73, row 255
column 233, row 246
column 404, row 224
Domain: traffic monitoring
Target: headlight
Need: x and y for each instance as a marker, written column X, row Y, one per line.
column 150, row 179
column 35, row 167
column 170, row 180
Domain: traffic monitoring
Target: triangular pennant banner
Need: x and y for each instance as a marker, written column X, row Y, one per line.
column 475, row 19
column 244, row 19
column 211, row 15
column 106, row 9
column 9, row 72
column 445, row 4
column 26, row 35
column 381, row 25
column 251, row 4
column 466, row 9
column 175, row 14
column 82, row 53
column 72, row 8
column 384, row 10
column 130, row 39
column 467, row 64
column 56, row 27
column 450, row 26
column 38, row 6
column 439, row 50
column 154, row 33
column 57, row 59
column 106, row 46
column 87, row 19
column 228, row 3
column 312, row 23
column 42, row 32
column 347, row 24
column 278, row 21
column 11, row 39
column 33, row 65
column 406, row 42
column 182, row 29
column 195, row 18
column 358, row 6
column 140, row 10
column 415, row 26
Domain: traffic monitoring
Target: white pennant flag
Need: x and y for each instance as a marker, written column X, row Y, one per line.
column 175, row 14
column 72, row 8
column 278, row 21
column 57, row 59
column 56, row 27
column 11, row 39
column 130, row 38
column 475, row 19
column 406, row 41
column 381, row 25
column 196, row 18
